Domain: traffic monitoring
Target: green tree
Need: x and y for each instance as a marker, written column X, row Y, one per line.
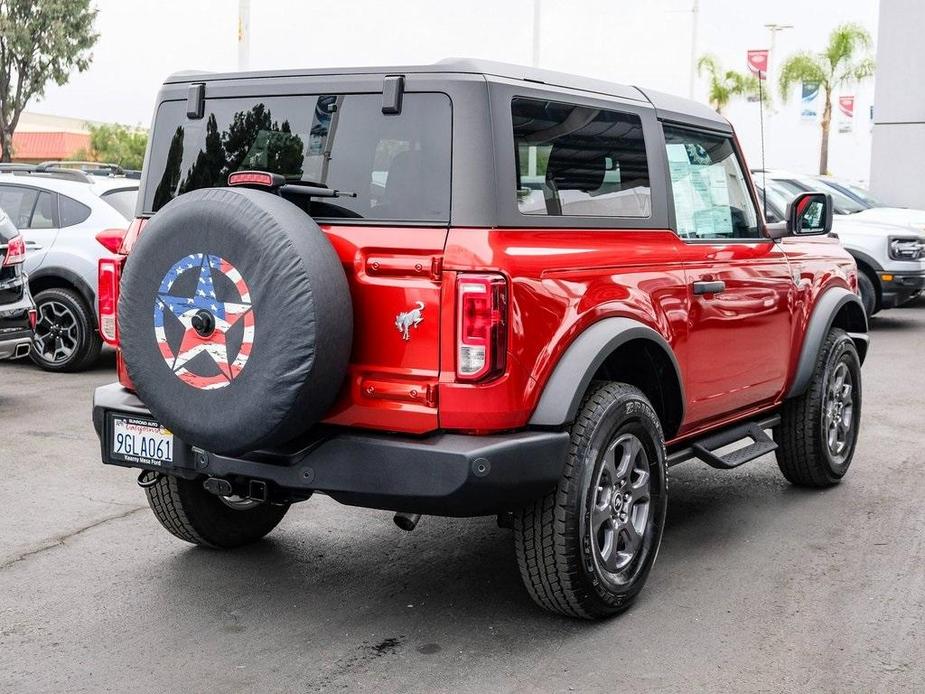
column 170, row 180
column 116, row 144
column 726, row 84
column 40, row 41
column 844, row 60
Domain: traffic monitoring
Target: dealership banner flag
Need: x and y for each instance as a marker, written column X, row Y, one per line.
column 846, row 107
column 758, row 62
column 808, row 100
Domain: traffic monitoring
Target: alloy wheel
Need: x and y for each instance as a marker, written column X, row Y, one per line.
column 621, row 503
column 838, row 412
column 57, row 333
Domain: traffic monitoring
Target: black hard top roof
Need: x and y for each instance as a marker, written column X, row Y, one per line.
column 667, row 105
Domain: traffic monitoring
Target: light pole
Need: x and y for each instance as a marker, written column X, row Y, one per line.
column 775, row 29
column 244, row 34
column 695, row 15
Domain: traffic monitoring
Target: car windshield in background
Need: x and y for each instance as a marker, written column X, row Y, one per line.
column 841, row 203
column 863, row 195
column 398, row 165
column 122, row 200
column 773, row 200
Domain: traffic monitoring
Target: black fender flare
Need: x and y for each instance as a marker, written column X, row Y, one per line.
column 61, row 277
column 572, row 375
column 827, row 308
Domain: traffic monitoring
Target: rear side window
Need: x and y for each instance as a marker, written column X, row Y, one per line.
column 580, row 161
column 18, row 202
column 122, row 200
column 42, row 215
column 398, row 165
column 71, row 212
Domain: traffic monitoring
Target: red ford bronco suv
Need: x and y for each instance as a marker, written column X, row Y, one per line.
column 467, row 289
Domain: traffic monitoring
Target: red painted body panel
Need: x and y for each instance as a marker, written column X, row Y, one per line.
column 561, row 282
column 391, row 382
column 737, row 350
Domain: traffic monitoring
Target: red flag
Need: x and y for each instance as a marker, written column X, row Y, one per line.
column 758, row 62
column 846, row 105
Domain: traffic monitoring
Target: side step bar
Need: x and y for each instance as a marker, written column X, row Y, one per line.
column 705, row 448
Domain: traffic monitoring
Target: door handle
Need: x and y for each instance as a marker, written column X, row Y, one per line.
column 709, row 287
column 33, row 245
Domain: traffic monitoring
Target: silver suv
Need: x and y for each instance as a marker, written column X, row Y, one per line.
column 62, row 213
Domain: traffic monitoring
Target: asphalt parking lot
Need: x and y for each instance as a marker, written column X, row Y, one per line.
column 758, row 587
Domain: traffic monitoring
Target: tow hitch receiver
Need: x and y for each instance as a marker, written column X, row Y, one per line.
column 217, row 486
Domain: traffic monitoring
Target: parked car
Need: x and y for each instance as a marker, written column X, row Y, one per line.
column 890, row 257
column 884, row 213
column 364, row 294
column 17, row 312
column 69, row 220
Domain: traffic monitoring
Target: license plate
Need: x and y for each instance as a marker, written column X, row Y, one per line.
column 136, row 440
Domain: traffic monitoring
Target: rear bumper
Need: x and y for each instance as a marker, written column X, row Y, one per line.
column 900, row 288
column 15, row 328
column 442, row 474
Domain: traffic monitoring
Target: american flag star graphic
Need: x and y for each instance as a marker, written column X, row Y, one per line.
column 225, row 313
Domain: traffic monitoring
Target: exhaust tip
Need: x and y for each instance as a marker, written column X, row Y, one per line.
column 407, row 521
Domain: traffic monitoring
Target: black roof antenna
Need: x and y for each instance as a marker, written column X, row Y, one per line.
column 764, row 174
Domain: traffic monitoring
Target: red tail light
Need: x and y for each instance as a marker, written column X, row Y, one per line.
column 110, row 272
column 111, row 239
column 131, row 235
column 482, row 326
column 15, row 251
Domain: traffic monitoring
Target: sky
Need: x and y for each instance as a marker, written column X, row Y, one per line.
column 644, row 42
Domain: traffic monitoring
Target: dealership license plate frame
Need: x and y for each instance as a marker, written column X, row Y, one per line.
column 156, row 431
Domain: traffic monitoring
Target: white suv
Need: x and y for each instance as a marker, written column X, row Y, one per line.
column 61, row 213
column 890, row 256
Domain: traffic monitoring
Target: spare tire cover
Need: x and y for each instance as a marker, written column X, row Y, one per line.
column 235, row 319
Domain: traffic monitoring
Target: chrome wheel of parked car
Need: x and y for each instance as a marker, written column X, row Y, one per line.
column 621, row 506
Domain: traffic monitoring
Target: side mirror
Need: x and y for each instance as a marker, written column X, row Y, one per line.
column 810, row 214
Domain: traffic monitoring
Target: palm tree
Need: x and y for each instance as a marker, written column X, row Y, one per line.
column 844, row 60
column 725, row 84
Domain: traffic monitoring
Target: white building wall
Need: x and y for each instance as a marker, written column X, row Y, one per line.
column 897, row 169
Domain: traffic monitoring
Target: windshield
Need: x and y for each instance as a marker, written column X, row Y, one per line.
column 841, row 203
column 398, row 165
column 864, row 195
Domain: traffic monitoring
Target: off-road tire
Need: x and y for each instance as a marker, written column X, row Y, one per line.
column 868, row 293
column 192, row 514
column 89, row 342
column 552, row 540
column 803, row 453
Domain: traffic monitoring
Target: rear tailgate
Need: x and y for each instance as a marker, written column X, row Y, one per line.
column 394, row 366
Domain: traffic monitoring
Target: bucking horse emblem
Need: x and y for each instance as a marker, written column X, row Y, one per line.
column 409, row 319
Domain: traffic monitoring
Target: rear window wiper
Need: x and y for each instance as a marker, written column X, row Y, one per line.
column 314, row 190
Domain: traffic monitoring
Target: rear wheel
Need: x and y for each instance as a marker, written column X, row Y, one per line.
column 586, row 549
column 65, row 334
column 192, row 514
column 819, row 429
